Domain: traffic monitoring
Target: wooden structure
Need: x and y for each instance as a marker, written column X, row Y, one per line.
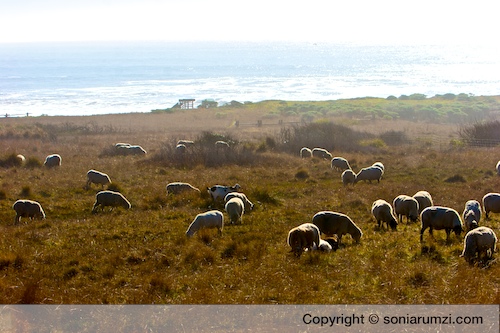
column 187, row 103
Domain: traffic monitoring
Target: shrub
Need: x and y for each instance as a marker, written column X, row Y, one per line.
column 481, row 134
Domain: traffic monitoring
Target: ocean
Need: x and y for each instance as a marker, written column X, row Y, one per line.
column 84, row 78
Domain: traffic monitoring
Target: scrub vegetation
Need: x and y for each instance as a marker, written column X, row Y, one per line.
column 142, row 255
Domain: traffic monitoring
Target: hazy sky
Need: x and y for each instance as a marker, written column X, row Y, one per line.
column 374, row 21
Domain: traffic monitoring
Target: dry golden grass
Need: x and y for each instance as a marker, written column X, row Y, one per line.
column 143, row 256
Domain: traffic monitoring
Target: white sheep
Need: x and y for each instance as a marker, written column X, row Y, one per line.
column 382, row 211
column 207, row 220
column 437, row 217
column 53, row 160
column 321, row 153
column 305, row 152
column 136, row 150
column 27, row 208
column 340, row 164
column 122, row 144
column 424, row 199
column 404, row 205
column 380, row 165
column 348, row 177
column 221, row 145
column 303, row 237
column 180, row 148
column 185, row 142
column 481, row 240
column 323, row 246
column 498, row 168
column 235, row 208
column 333, row 223
column 219, row 192
column 491, row 203
column 180, row 187
column 370, row 173
column 98, row 178
column 471, row 214
column 110, row 199
column 21, row 160
column 242, row 196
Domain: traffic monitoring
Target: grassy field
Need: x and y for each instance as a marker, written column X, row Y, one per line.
column 142, row 255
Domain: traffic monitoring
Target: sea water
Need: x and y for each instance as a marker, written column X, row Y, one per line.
column 85, row 78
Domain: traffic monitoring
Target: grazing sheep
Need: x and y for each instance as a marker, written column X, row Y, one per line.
column 21, row 160
column 382, row 211
column 185, row 142
column 380, row 165
column 303, row 237
column 221, row 145
column 333, row 223
column 305, row 152
column 370, row 173
column 180, row 148
column 27, row 208
column 98, row 178
column 437, row 217
column 323, row 246
column 122, row 144
column 242, row 196
column 498, row 168
column 340, row 164
column 179, row 187
column 471, row 214
column 235, row 208
column 405, row 205
column 321, row 153
column 111, row 199
column 136, row 150
column 53, row 160
column 491, row 203
column 481, row 240
column 207, row 220
column 348, row 177
column 424, row 199
column 219, row 191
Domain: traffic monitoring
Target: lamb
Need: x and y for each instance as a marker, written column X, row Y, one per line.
column 303, row 237
column 340, row 164
column 20, row 159
column 382, row 211
column 481, row 240
column 491, row 203
column 248, row 204
column 405, row 205
column 27, row 208
column 208, row 220
column 53, row 160
column 321, row 153
column 305, row 152
column 180, row 187
column 348, row 177
column 424, row 199
column 437, row 217
column 333, row 223
column 219, row 192
column 180, row 148
column 323, row 246
column 370, row 173
column 111, row 199
column 98, row 178
column 235, row 208
column 471, row 214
